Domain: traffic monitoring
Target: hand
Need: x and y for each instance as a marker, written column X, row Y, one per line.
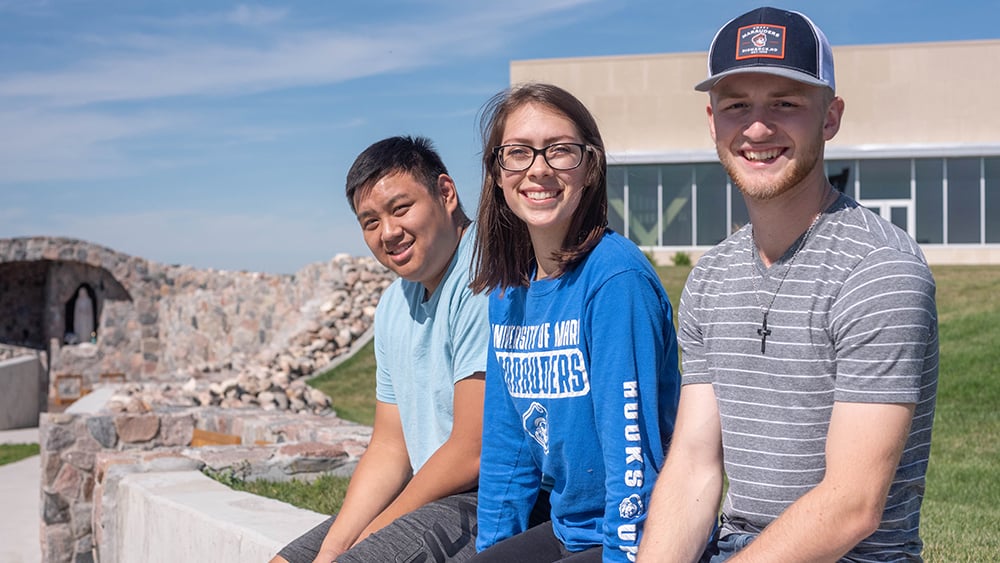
column 327, row 555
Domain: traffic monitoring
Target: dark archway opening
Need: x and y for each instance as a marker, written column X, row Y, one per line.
column 22, row 304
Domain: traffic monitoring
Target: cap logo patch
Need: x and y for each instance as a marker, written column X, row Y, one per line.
column 760, row 40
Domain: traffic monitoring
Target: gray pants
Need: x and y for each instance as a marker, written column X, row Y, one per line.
column 439, row 532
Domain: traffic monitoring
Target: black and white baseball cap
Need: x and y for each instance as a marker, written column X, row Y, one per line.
column 771, row 41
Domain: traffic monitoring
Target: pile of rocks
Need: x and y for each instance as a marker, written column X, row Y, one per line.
column 343, row 319
column 275, row 378
column 257, row 390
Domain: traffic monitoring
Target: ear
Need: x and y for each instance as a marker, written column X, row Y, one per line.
column 448, row 192
column 831, row 122
column 711, row 121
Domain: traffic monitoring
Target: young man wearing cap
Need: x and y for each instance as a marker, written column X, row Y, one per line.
column 412, row 497
column 809, row 337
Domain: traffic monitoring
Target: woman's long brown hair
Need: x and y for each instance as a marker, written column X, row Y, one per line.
column 504, row 255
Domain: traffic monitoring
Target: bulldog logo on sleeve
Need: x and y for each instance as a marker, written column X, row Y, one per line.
column 536, row 423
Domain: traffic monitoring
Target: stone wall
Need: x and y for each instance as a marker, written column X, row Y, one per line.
column 83, row 456
column 7, row 352
column 224, row 352
column 21, row 397
column 171, row 323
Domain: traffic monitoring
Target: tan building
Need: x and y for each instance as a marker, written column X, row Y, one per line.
column 920, row 144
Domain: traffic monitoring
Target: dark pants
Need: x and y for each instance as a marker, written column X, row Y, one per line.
column 536, row 545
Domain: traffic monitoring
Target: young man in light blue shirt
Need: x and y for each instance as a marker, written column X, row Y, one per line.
column 412, row 496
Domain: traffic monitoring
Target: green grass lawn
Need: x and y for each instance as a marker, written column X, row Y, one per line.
column 351, row 386
column 9, row 453
column 962, row 503
column 324, row 495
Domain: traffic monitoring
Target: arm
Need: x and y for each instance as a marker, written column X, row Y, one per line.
column 635, row 383
column 454, row 467
column 382, row 472
column 883, row 322
column 374, row 498
column 685, row 502
column 864, row 444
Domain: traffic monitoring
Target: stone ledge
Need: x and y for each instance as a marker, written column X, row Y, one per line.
column 85, row 457
column 21, row 379
column 157, row 509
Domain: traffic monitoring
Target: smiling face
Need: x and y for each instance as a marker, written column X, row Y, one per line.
column 545, row 199
column 769, row 132
column 408, row 229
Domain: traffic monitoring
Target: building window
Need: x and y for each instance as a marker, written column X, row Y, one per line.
column 711, row 184
column 991, row 172
column 616, row 199
column 643, row 204
column 929, row 180
column 884, row 179
column 963, row 201
column 677, row 216
column 939, row 200
column 740, row 215
column 842, row 175
column 899, row 216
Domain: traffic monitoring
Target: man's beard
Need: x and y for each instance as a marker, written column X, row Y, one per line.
column 759, row 188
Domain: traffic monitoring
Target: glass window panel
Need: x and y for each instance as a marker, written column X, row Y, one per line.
column 929, row 174
column 898, row 217
column 885, row 179
column 677, row 216
column 992, row 173
column 842, row 175
column 643, row 209
column 740, row 214
column 712, row 224
column 616, row 198
column 963, row 200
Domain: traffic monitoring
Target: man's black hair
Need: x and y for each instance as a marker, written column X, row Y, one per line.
column 402, row 154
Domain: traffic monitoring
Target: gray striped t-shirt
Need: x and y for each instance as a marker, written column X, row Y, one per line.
column 854, row 320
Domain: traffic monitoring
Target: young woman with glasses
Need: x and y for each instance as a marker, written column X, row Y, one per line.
column 581, row 378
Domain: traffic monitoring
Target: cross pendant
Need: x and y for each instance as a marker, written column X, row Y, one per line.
column 764, row 332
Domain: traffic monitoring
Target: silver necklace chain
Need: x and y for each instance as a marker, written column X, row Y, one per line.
column 763, row 331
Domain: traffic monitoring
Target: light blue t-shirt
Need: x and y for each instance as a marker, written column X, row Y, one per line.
column 422, row 348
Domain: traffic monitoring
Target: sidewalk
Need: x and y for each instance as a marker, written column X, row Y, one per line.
column 19, row 436
column 20, row 511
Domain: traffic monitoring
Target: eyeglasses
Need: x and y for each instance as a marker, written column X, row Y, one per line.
column 559, row 156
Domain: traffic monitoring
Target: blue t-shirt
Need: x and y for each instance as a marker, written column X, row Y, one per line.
column 422, row 348
column 581, row 393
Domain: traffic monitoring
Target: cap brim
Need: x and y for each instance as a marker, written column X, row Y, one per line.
column 798, row 76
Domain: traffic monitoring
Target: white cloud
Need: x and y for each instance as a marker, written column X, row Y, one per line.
column 212, row 70
column 256, row 15
column 97, row 113
column 69, row 145
column 69, row 122
column 155, row 67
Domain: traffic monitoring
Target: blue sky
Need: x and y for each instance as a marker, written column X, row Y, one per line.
column 218, row 134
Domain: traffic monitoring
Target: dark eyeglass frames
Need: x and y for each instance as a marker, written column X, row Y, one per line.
column 559, row 156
